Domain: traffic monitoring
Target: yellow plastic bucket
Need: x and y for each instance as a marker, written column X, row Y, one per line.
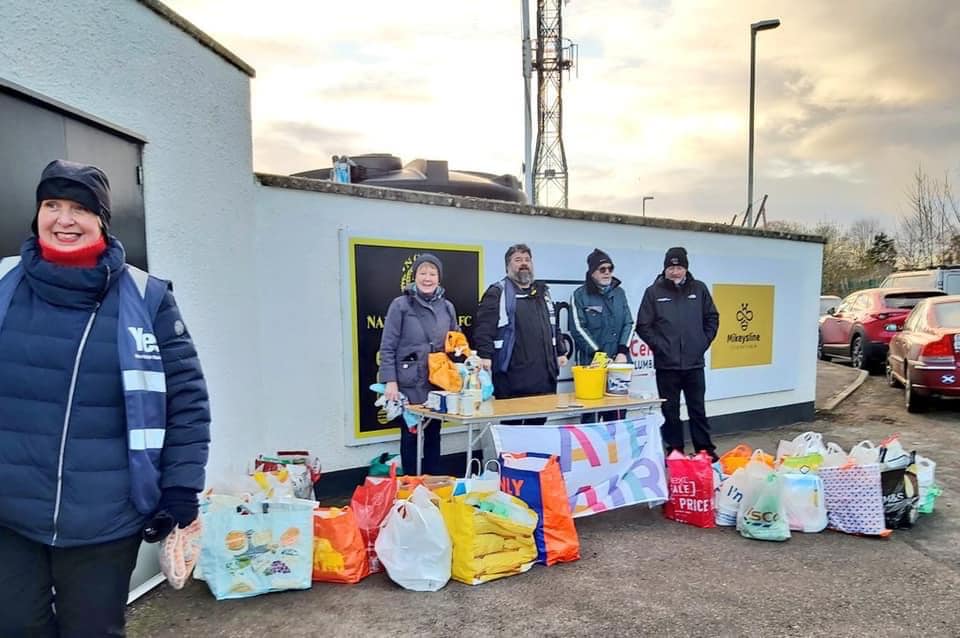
column 589, row 383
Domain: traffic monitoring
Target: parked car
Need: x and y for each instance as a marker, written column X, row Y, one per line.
column 924, row 358
column 860, row 328
column 828, row 302
column 945, row 278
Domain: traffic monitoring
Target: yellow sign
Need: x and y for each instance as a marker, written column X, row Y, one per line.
column 745, row 337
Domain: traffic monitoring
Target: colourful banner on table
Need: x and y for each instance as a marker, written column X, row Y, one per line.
column 604, row 465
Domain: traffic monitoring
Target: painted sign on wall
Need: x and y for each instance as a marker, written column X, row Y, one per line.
column 379, row 271
column 745, row 337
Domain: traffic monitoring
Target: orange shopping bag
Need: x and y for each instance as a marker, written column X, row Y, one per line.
column 339, row 553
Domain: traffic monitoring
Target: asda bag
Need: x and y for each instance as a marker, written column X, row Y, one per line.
column 690, row 489
column 854, row 499
column 414, row 545
column 763, row 516
column 537, row 481
column 492, row 536
column 371, row 503
column 339, row 553
column 254, row 548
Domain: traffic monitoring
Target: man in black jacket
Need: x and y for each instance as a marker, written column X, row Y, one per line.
column 515, row 332
column 679, row 320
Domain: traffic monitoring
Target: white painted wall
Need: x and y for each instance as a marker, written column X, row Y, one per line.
column 305, row 315
column 122, row 63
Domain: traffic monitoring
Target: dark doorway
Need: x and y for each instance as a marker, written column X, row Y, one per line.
column 32, row 133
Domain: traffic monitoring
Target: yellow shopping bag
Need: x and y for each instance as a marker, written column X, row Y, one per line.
column 492, row 536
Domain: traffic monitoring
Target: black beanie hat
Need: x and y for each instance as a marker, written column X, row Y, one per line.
column 81, row 183
column 428, row 258
column 596, row 259
column 676, row 256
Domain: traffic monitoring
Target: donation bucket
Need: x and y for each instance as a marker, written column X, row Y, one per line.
column 618, row 378
column 589, row 383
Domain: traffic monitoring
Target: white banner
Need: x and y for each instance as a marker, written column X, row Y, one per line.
column 605, row 465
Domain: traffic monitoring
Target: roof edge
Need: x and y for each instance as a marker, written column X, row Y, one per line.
column 197, row 34
column 476, row 203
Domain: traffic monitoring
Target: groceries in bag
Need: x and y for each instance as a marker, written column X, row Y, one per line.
column 414, row 545
column 854, row 499
column 536, row 480
column 690, row 489
column 492, row 535
column 763, row 516
column 249, row 549
column 371, row 503
column 803, row 501
column 339, row 552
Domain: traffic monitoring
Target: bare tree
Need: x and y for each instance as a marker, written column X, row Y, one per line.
column 926, row 232
column 860, row 237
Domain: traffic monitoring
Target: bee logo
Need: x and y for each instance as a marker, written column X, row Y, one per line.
column 744, row 316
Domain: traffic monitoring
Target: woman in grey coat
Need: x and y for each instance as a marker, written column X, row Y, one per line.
column 417, row 324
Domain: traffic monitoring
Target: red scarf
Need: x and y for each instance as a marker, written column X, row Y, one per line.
column 85, row 257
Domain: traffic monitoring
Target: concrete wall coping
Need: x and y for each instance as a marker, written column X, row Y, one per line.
column 197, row 34
column 476, row 203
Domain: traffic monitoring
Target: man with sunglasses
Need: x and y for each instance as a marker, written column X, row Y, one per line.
column 600, row 319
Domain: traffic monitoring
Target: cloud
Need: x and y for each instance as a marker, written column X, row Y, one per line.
column 850, row 95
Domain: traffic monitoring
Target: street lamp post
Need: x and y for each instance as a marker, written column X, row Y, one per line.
column 763, row 25
column 643, row 204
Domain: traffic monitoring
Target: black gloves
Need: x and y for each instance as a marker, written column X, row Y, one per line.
column 178, row 506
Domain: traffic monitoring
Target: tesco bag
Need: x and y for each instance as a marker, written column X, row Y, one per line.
column 763, row 517
column 690, row 489
column 414, row 545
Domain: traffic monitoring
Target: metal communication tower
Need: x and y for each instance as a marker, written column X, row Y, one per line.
column 549, row 55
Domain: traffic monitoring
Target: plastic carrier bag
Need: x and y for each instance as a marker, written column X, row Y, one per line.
column 413, row 544
column 763, row 516
column 690, row 490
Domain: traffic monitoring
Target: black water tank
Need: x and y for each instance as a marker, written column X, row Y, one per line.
column 431, row 176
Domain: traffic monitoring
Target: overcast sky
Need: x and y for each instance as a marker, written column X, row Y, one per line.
column 851, row 96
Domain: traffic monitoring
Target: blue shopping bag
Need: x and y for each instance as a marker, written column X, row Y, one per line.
column 255, row 548
column 536, row 480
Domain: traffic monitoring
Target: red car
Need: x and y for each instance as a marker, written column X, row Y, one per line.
column 925, row 357
column 860, row 328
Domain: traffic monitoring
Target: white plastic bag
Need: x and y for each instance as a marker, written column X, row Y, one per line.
column 802, row 445
column 729, row 495
column 803, row 501
column 414, row 545
column 865, row 453
column 750, row 479
column 834, row 456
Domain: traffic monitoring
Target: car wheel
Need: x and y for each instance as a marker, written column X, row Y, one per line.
column 858, row 357
column 820, row 353
column 892, row 381
column 913, row 402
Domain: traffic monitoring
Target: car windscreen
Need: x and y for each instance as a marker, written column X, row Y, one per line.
column 906, row 300
column 947, row 315
column 919, row 280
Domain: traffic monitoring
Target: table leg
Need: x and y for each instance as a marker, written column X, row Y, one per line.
column 466, row 473
column 423, row 422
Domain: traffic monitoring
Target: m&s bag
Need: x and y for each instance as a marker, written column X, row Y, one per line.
column 537, row 481
column 690, row 489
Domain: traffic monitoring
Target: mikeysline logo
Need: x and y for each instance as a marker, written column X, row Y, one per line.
column 744, row 319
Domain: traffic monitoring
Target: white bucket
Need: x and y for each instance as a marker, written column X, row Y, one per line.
column 618, row 378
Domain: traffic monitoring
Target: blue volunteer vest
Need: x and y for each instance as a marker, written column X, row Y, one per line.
column 506, row 329
column 144, row 381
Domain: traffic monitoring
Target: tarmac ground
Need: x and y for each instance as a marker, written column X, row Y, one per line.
column 640, row 574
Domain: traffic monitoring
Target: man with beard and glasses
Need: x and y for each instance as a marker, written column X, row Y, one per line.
column 515, row 332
